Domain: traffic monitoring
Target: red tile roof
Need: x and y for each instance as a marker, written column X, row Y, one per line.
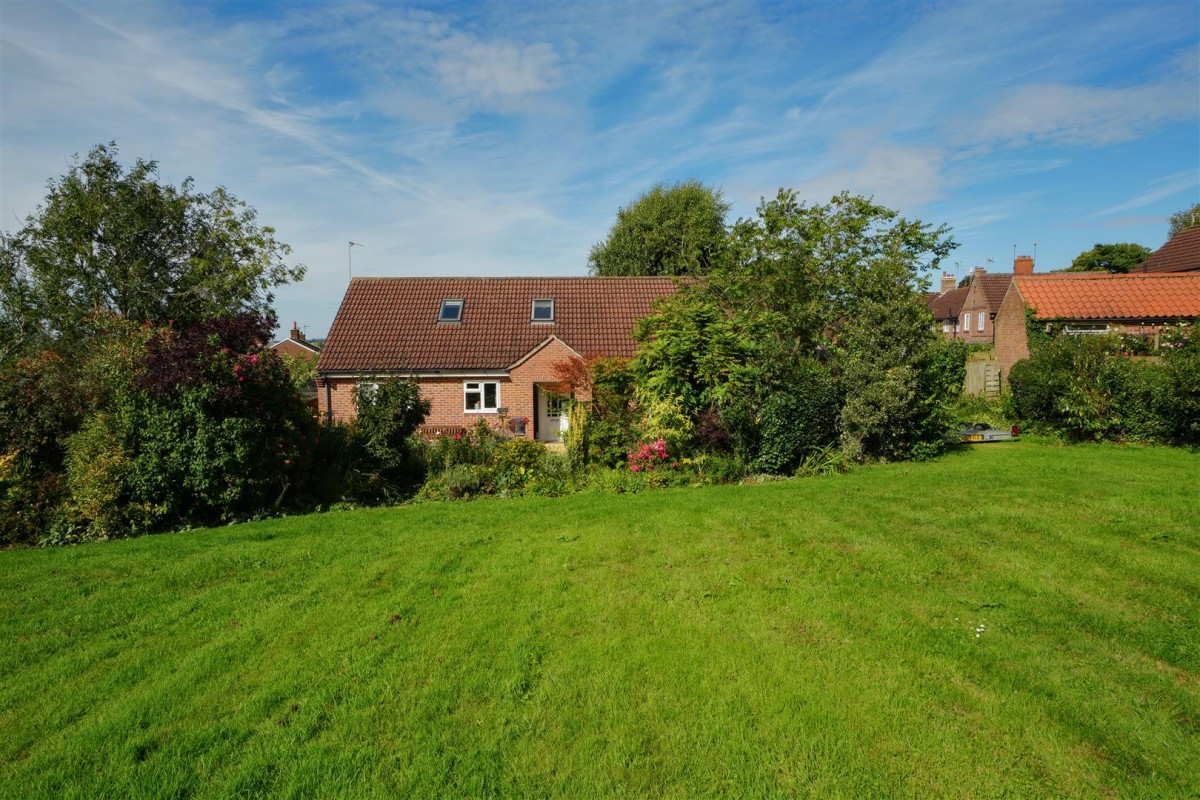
column 1180, row 254
column 1101, row 296
column 947, row 304
column 392, row 323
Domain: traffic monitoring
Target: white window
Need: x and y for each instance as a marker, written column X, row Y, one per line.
column 946, row 327
column 451, row 311
column 481, row 396
column 543, row 310
column 979, row 326
column 554, row 405
column 966, row 326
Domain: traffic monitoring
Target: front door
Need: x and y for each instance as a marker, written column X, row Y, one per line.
column 552, row 412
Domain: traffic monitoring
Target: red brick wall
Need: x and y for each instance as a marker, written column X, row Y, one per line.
column 445, row 394
column 975, row 304
column 1012, row 341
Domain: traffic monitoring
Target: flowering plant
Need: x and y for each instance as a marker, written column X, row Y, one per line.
column 649, row 456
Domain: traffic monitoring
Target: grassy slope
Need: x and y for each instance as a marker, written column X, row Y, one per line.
column 811, row 638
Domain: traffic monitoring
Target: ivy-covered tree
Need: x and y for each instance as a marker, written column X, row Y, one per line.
column 108, row 239
column 670, row 230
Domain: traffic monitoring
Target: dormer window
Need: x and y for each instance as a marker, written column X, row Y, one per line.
column 543, row 310
column 451, row 311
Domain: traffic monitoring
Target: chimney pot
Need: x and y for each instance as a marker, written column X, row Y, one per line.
column 296, row 332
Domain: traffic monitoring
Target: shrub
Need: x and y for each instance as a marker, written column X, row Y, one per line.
column 389, row 412
column 1139, row 393
column 720, row 468
column 663, row 420
column 827, row 460
column 648, row 457
column 555, row 477
column 799, row 420
column 517, row 461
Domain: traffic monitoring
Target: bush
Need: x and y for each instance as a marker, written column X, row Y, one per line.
column 663, row 420
column 1087, row 387
column 718, row 468
column 516, row 462
column 1139, row 395
column 389, row 412
column 799, row 420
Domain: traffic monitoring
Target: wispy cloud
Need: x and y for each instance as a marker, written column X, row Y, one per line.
column 1167, row 186
column 498, row 138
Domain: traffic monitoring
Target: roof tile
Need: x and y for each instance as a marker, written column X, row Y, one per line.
column 1101, row 296
column 1181, row 253
column 392, row 323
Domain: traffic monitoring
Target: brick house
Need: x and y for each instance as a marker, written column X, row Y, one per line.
column 1181, row 253
column 1093, row 302
column 478, row 348
column 297, row 345
column 969, row 313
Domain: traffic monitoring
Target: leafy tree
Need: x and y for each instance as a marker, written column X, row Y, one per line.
column 808, row 288
column 1182, row 220
column 117, row 240
column 1116, row 258
column 669, row 230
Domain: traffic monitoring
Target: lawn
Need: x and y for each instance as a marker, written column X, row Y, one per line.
column 1016, row 620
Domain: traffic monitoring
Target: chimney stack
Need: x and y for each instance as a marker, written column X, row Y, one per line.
column 296, row 332
column 948, row 282
column 1023, row 265
column 979, row 271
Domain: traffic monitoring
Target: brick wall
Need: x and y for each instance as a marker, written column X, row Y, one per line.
column 445, row 394
column 974, row 305
column 1012, row 341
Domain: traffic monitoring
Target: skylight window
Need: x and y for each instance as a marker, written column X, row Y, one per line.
column 543, row 311
column 451, row 311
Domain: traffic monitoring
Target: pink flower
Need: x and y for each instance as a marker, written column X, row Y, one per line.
column 634, row 467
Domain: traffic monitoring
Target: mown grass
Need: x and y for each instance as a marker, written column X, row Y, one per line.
column 1010, row 621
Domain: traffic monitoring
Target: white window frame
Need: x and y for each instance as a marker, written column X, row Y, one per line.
column 450, row 301
column 1086, row 329
column 982, row 320
column 479, row 388
column 533, row 307
column 946, row 326
column 966, row 325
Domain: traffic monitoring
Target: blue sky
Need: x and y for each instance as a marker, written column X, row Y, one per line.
column 501, row 138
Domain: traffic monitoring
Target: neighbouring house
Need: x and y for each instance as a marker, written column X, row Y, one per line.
column 1181, row 253
column 946, row 304
column 296, row 345
column 969, row 313
column 1093, row 302
column 478, row 348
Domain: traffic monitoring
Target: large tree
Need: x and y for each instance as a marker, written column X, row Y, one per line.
column 107, row 239
column 1116, row 258
column 670, row 230
column 1182, row 220
column 812, row 297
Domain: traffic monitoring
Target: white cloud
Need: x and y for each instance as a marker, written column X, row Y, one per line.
column 1160, row 189
column 1085, row 115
